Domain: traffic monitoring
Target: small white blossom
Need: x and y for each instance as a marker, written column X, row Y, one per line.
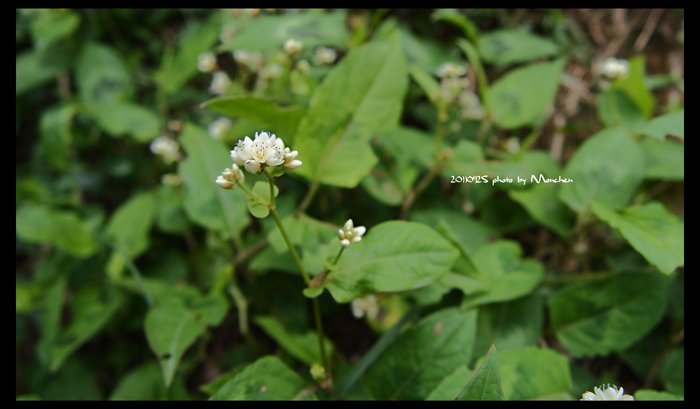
column 270, row 72
column 293, row 47
column 366, row 306
column 614, row 68
column 227, row 33
column 324, row 56
column 218, row 128
column 470, row 105
column 230, row 177
column 349, row 234
column 304, row 67
column 266, row 150
column 451, row 70
column 220, row 84
column 512, row 145
column 250, row 60
column 206, row 62
column 606, row 392
column 166, row 147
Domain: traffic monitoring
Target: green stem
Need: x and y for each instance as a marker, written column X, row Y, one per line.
column 319, row 279
column 272, row 188
column 319, row 332
column 292, row 250
column 139, row 279
column 307, row 199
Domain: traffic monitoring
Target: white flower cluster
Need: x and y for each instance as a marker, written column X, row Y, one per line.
column 451, row 70
column 220, row 83
column 206, row 62
column 365, row 306
column 606, row 392
column 613, row 68
column 324, row 56
column 293, row 47
column 470, row 105
column 454, row 88
column 167, row 148
column 266, row 150
column 349, row 234
column 230, row 177
column 252, row 61
column 218, row 128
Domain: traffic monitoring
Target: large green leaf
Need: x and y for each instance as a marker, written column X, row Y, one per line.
column 616, row 108
column 543, row 204
column 129, row 225
column 523, row 95
column 205, row 202
column 52, row 26
column 672, row 123
column 175, row 322
column 33, row 68
column 672, row 373
column 394, row 256
column 56, row 137
column 124, row 118
column 359, row 98
column 503, row 47
column 604, row 316
column 449, row 387
column 635, row 86
column 663, row 159
column 534, row 373
column 649, row 394
column 485, row 384
column 142, row 383
column 101, row 75
column 40, row 224
column 470, row 233
column 302, row 346
column 423, row 356
column 268, row 378
column 607, row 168
column 282, row 121
column 653, row 231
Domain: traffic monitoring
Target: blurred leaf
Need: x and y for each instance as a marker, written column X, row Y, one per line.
column 303, row 347
column 470, row 233
column 510, row 325
column 428, row 84
column 471, row 31
column 672, row 123
column 171, row 217
column 607, row 168
column 663, row 159
column 268, row 378
column 27, row 296
column 176, row 322
column 408, row 145
column 394, row 256
column 609, row 315
column 52, row 26
column 282, row 121
column 423, row 355
column 543, row 204
column 485, row 384
column 634, row 85
column 205, row 202
column 653, row 231
column 534, row 373
column 40, row 224
column 449, row 386
column 616, row 108
column 259, row 201
column 123, row 118
column 648, row 394
column 672, row 373
column 55, row 135
column 101, row 75
column 310, row 237
column 75, row 381
column 333, row 138
column 33, row 68
column 504, row 47
column 130, row 224
column 523, row 95
column 143, row 383
column 313, row 28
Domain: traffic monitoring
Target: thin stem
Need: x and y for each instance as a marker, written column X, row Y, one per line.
column 139, row 279
column 292, row 250
column 272, row 188
column 307, row 199
column 420, row 187
column 319, row 332
column 319, row 279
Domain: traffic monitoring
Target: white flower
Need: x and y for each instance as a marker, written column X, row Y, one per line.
column 251, row 60
column 206, row 62
column 471, row 107
column 304, row 67
column 218, row 128
column 349, row 234
column 606, row 392
column 166, row 147
column 512, row 145
column 451, row 70
column 266, row 150
column 613, row 68
column 292, row 47
column 270, row 72
column 227, row 33
column 365, row 306
column 230, row 177
column 220, row 84
column 324, row 56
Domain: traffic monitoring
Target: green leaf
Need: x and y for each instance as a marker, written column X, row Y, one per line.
column 130, row 224
column 142, row 383
column 422, row 356
column 303, row 347
column 485, row 384
column 27, row 297
column 449, row 387
column 503, row 274
column 311, row 237
column 90, row 310
column 206, row 203
column 175, row 322
column 543, row 204
column 607, row 168
column 124, row 118
column 259, row 201
column 333, row 138
column 649, row 394
column 40, row 224
column 471, row 31
column 635, row 86
column 534, row 373
column 470, row 233
column 427, row 83
column 268, row 378
column 616, row 108
column 408, row 145
column 312, row 28
column 33, row 68
column 101, row 75
column 56, row 138
column 663, row 159
column 672, row 373
column 672, row 123
column 504, row 47
column 282, row 121
column 523, row 95
column 652, row 230
column 52, row 26
column 510, row 325
column 609, row 315
column 394, row 256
